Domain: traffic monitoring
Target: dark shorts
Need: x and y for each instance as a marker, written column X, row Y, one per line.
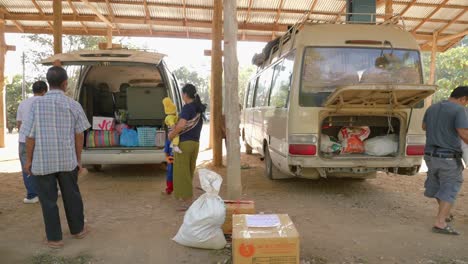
column 444, row 178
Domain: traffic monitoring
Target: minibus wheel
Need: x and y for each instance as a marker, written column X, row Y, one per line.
column 271, row 172
column 248, row 148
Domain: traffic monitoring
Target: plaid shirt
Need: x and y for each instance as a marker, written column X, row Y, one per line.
column 53, row 122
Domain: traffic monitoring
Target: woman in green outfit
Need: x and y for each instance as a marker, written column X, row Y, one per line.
column 188, row 128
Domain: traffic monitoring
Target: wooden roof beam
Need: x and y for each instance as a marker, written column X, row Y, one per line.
column 338, row 16
column 130, row 33
column 147, row 16
column 452, row 21
column 313, row 3
column 4, row 12
column 379, row 2
column 36, row 17
column 18, row 25
column 408, row 6
column 451, row 43
column 454, row 36
column 185, row 18
column 111, row 14
column 97, row 13
column 249, row 9
column 42, row 13
column 278, row 14
column 75, row 13
column 429, row 16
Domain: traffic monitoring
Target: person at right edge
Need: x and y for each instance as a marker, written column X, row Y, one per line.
column 54, row 140
column 188, row 128
column 445, row 124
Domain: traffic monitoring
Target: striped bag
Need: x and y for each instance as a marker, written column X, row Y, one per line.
column 102, row 138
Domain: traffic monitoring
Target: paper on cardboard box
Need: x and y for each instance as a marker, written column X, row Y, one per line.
column 103, row 123
column 236, row 207
column 262, row 245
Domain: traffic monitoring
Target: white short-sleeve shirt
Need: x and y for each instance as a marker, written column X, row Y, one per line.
column 24, row 109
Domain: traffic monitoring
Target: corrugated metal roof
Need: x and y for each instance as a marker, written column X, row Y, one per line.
column 259, row 16
column 419, row 11
column 129, row 10
column 270, row 4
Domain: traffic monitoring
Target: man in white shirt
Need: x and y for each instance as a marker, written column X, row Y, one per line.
column 24, row 109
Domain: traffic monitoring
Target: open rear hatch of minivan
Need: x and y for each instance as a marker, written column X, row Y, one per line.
column 351, row 130
column 125, row 87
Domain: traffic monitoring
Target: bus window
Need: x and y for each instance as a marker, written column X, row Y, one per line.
column 249, row 100
column 281, row 83
column 324, row 69
column 263, row 87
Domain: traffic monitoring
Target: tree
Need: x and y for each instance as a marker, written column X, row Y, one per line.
column 184, row 75
column 245, row 73
column 451, row 70
column 42, row 47
column 13, row 98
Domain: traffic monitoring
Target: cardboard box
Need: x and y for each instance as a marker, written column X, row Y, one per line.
column 103, row 123
column 262, row 239
column 236, row 207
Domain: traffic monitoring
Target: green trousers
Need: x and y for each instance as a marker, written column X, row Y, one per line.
column 184, row 168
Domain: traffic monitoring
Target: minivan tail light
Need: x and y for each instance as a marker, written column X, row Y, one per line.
column 415, row 150
column 302, row 149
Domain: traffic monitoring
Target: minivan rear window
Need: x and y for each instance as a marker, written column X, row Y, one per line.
column 325, row 69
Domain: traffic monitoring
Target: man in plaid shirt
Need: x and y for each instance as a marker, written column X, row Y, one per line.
column 54, row 140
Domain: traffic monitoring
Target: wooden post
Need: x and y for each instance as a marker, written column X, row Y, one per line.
column 216, row 100
column 388, row 9
column 433, row 58
column 109, row 37
column 232, row 111
column 57, row 8
column 3, row 49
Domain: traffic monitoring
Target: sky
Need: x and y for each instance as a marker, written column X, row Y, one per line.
column 180, row 52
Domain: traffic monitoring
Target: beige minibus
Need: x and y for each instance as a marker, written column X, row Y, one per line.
column 337, row 100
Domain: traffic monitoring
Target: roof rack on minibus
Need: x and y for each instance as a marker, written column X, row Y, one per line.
column 290, row 34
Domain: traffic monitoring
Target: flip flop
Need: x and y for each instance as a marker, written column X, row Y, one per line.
column 447, row 230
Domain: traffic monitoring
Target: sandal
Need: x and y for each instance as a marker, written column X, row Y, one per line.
column 447, row 230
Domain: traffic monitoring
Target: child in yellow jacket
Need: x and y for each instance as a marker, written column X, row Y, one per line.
column 171, row 120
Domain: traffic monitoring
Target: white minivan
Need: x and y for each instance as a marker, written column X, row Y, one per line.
column 322, row 80
column 107, row 81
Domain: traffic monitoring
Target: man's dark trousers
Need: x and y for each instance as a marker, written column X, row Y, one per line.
column 47, row 191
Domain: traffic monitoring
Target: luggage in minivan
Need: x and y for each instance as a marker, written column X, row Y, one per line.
column 121, row 92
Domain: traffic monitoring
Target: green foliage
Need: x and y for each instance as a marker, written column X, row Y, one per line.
column 245, row 74
column 42, row 47
column 185, row 75
column 451, row 70
column 13, row 98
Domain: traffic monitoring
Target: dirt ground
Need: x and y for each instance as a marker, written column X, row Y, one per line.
column 382, row 220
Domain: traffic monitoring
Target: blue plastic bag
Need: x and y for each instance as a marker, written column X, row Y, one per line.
column 129, row 138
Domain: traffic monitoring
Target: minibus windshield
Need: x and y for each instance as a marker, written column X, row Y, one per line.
column 325, row 69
